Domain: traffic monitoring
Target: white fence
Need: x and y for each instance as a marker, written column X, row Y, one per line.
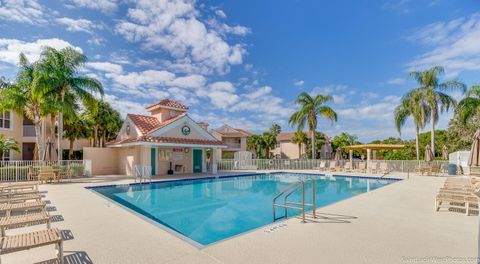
column 11, row 171
column 460, row 158
column 309, row 164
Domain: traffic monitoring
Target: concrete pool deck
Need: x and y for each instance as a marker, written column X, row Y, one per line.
column 393, row 224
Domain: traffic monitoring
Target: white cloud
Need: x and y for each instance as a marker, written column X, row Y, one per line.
column 226, row 29
column 396, row 81
column 106, row 67
column 23, row 11
column 174, row 26
column 220, row 13
column 262, row 102
column 10, row 48
column 142, row 79
column 191, row 81
column 379, row 111
column 75, row 25
column 105, row 6
column 340, row 93
column 299, row 83
column 455, row 45
column 124, row 106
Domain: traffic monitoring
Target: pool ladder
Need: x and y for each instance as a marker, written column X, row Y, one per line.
column 300, row 184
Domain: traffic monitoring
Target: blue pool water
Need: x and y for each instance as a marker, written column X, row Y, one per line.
column 212, row 209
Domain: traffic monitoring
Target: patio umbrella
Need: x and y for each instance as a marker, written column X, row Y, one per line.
column 445, row 153
column 47, row 151
column 428, row 153
column 338, row 154
column 326, row 151
column 474, row 158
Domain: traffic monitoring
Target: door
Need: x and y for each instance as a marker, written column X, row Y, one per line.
column 28, row 151
column 153, row 160
column 197, row 160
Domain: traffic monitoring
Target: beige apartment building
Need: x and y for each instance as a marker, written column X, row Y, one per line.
column 23, row 131
column 235, row 139
column 285, row 149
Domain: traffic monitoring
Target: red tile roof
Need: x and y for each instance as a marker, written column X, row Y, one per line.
column 169, row 103
column 167, row 122
column 244, row 131
column 185, row 141
column 144, row 123
column 147, row 124
column 285, row 136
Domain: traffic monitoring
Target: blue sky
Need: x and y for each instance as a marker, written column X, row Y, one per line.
column 244, row 62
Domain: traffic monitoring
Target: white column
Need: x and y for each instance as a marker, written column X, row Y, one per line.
column 368, row 159
column 213, row 161
column 350, row 156
column 204, row 159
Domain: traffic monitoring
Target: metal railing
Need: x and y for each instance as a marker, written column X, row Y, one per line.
column 403, row 166
column 300, row 206
column 13, row 171
column 232, row 145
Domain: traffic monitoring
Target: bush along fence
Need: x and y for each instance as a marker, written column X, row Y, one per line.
column 403, row 166
column 11, row 171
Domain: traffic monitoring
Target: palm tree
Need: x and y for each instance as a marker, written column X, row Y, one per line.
column 470, row 105
column 110, row 123
column 299, row 138
column 75, row 128
column 58, row 73
column 7, row 144
column 433, row 94
column 275, row 129
column 311, row 107
column 106, row 122
column 269, row 141
column 23, row 98
column 413, row 106
column 253, row 143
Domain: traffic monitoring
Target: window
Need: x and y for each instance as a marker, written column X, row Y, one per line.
column 5, row 120
column 173, row 113
column 165, row 155
column 6, row 156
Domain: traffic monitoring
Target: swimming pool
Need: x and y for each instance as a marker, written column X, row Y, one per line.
column 212, row 209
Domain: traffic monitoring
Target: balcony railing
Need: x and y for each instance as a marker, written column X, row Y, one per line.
column 28, row 130
column 231, row 145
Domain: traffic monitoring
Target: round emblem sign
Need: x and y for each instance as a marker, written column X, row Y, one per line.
column 186, row 130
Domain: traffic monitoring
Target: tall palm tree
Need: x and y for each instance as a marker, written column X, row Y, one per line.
column 23, row 98
column 7, row 144
column 413, row 106
column 470, row 105
column 433, row 94
column 58, row 73
column 310, row 109
column 299, row 138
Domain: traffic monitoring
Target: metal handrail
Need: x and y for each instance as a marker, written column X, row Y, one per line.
column 288, row 205
column 293, row 185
